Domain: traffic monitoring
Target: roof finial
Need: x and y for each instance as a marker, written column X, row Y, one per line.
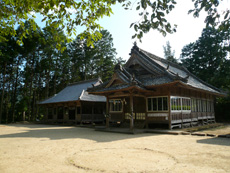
column 135, row 44
column 134, row 48
column 118, row 66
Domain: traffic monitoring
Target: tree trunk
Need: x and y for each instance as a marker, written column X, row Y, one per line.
column 15, row 92
column 3, row 89
column 55, row 78
column 47, row 84
column 7, row 102
column 33, row 105
column 31, row 85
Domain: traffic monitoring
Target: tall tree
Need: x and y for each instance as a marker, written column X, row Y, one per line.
column 35, row 70
column 207, row 57
column 7, row 60
column 89, row 62
column 168, row 53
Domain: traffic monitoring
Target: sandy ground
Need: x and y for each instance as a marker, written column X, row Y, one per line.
column 54, row 149
column 225, row 130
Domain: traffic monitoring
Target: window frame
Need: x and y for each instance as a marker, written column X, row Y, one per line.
column 181, row 99
column 156, row 97
column 194, row 106
column 115, row 111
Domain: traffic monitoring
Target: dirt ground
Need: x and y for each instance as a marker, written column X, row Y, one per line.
column 34, row 148
column 222, row 130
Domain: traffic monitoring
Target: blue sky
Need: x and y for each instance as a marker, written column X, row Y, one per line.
column 188, row 29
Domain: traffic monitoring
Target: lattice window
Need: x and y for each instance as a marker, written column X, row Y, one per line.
column 158, row 104
column 115, row 105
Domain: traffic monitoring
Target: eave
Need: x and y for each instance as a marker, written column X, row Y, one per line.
column 182, row 84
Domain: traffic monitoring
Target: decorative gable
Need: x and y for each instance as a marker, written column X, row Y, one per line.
column 142, row 65
column 114, row 81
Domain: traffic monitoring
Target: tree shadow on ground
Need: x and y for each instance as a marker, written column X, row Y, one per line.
column 55, row 132
column 215, row 141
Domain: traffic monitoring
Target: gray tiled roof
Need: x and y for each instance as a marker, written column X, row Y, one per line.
column 85, row 96
column 155, row 80
column 174, row 69
column 74, row 92
column 159, row 71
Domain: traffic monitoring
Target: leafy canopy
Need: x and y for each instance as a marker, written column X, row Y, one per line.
column 208, row 57
column 70, row 14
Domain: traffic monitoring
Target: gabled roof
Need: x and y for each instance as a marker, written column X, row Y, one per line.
column 180, row 73
column 145, row 70
column 76, row 91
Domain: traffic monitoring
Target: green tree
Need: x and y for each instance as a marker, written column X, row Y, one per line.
column 168, row 53
column 207, row 57
column 70, row 14
column 90, row 62
column 104, row 56
column 8, row 59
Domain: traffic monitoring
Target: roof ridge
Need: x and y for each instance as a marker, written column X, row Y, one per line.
column 85, row 81
column 163, row 60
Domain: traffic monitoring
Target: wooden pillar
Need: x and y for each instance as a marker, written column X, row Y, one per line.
column 146, row 114
column 131, row 107
column 92, row 116
column 54, row 113
column 107, row 112
column 45, row 115
column 81, row 112
column 64, row 113
column 169, row 112
column 76, row 113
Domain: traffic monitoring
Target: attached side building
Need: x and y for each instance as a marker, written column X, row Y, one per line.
column 152, row 90
column 74, row 104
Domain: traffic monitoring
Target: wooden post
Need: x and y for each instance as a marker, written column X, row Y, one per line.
column 146, row 114
column 64, row 113
column 76, row 113
column 107, row 112
column 55, row 113
column 81, row 112
column 169, row 112
column 92, row 116
column 131, row 106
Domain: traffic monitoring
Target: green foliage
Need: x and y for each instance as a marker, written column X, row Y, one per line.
column 91, row 62
column 57, row 14
column 37, row 69
column 208, row 58
column 71, row 14
column 214, row 17
column 153, row 16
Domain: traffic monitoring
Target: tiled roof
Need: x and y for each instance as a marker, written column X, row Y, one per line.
column 76, row 91
column 159, row 71
column 175, row 69
column 155, row 80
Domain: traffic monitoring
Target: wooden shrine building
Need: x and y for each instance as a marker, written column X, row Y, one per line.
column 74, row 105
column 152, row 90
